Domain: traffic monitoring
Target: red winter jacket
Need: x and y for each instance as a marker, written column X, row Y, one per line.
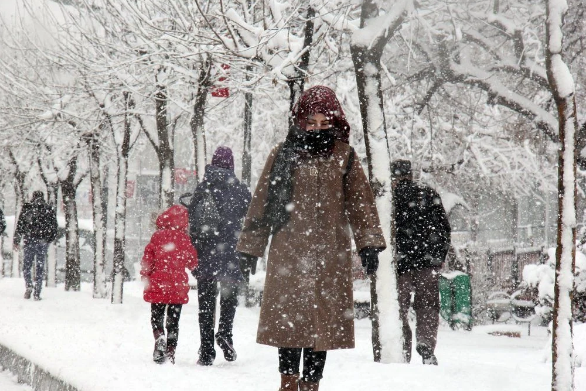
column 165, row 258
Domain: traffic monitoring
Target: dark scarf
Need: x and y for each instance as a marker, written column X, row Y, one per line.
column 298, row 146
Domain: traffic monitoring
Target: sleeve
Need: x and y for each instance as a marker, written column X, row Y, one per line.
column 20, row 225
column 440, row 238
column 191, row 254
column 255, row 236
column 52, row 234
column 361, row 208
column 148, row 260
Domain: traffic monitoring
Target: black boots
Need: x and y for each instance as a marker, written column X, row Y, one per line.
column 426, row 354
column 160, row 351
column 225, row 343
column 207, row 355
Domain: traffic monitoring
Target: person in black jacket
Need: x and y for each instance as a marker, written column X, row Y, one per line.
column 422, row 240
column 37, row 224
column 219, row 263
column 2, row 222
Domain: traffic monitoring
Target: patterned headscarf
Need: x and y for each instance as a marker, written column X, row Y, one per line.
column 321, row 99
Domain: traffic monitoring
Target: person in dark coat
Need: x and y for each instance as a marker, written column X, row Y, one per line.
column 219, row 263
column 422, row 240
column 2, row 222
column 311, row 196
column 163, row 265
column 37, row 224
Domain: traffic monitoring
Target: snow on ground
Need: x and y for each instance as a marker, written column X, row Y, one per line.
column 95, row 345
column 9, row 382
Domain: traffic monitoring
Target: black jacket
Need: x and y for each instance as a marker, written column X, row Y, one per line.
column 37, row 221
column 217, row 257
column 422, row 228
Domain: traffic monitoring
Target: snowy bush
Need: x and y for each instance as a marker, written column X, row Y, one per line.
column 541, row 279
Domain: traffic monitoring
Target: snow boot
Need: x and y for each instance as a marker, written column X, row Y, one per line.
column 225, row 343
column 289, row 382
column 207, row 355
column 426, row 354
column 28, row 292
column 170, row 354
column 308, row 385
column 160, row 346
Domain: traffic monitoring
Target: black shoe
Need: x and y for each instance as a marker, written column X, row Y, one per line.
column 37, row 298
column 28, row 293
column 426, row 354
column 225, row 343
column 207, row 356
column 170, row 355
column 159, row 354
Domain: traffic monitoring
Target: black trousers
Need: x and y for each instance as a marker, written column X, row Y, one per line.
column 172, row 324
column 207, row 291
column 313, row 363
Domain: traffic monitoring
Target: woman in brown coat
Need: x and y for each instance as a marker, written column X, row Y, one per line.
column 311, row 191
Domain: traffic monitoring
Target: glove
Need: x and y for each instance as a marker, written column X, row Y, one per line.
column 247, row 262
column 369, row 256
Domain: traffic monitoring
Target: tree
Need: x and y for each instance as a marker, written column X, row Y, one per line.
column 562, row 89
column 367, row 48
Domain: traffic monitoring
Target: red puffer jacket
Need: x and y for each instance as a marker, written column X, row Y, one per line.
column 165, row 258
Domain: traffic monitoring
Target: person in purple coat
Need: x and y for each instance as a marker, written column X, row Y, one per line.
column 219, row 263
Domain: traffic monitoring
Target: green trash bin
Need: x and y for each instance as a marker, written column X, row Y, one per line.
column 456, row 299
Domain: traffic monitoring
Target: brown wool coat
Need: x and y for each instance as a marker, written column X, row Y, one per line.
column 307, row 298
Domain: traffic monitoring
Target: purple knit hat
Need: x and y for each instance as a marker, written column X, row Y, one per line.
column 223, row 158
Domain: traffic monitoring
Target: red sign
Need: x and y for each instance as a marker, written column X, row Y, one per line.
column 222, row 92
column 130, row 186
column 182, row 175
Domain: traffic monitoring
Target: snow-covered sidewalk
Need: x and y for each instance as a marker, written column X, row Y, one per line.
column 96, row 346
column 8, row 382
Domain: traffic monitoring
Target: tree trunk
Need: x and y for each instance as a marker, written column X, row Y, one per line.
column 563, row 90
column 72, row 261
column 165, row 151
column 52, row 192
column 387, row 341
column 246, row 151
column 297, row 83
column 197, row 119
column 562, row 349
column 19, row 178
column 99, row 289
column 16, row 255
column 385, row 305
column 119, row 231
column 120, row 215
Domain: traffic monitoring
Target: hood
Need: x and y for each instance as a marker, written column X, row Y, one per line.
column 224, row 158
column 217, row 175
column 176, row 217
column 321, row 99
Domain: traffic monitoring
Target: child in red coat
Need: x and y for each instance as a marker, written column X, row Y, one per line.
column 165, row 259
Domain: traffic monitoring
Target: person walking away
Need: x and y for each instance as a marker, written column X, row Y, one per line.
column 2, row 223
column 311, row 192
column 37, row 225
column 217, row 208
column 163, row 265
column 422, row 242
